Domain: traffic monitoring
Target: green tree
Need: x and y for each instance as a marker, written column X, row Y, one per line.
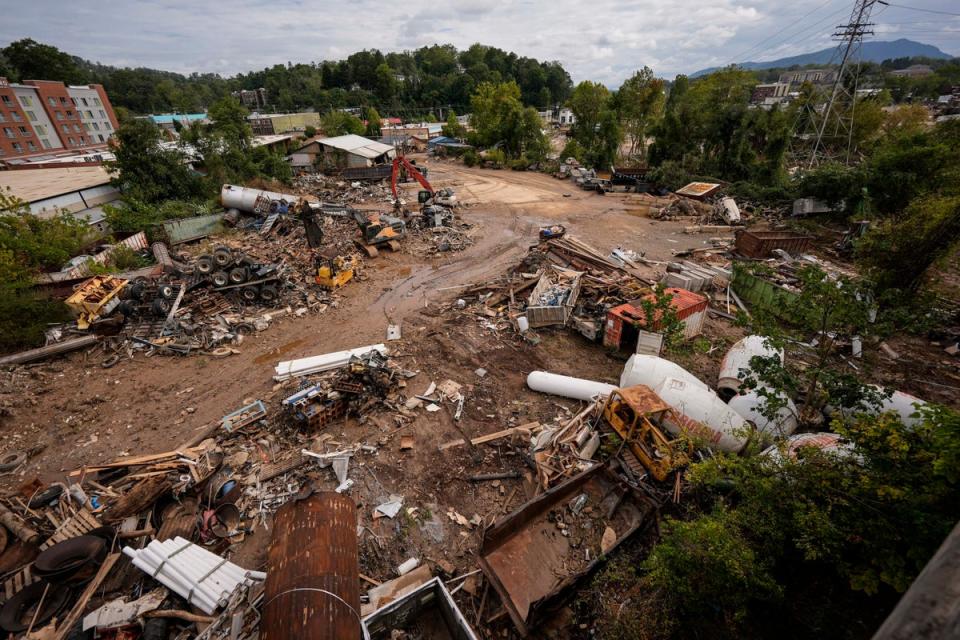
column 31, row 60
column 452, row 128
column 146, row 172
column 597, row 126
column 499, row 118
column 338, row 123
column 640, row 102
column 373, row 123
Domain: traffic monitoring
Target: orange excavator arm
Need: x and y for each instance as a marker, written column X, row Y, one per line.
column 411, row 170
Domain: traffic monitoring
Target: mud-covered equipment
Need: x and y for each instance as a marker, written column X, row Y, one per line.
column 334, row 272
column 637, row 416
column 379, row 230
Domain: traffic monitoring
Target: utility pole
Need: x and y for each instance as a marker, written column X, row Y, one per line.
column 834, row 120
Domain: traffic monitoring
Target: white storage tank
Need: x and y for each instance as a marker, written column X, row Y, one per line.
column 750, row 405
column 566, row 386
column 703, row 414
column 903, row 404
column 245, row 198
column 826, row 442
column 650, row 371
column 737, row 358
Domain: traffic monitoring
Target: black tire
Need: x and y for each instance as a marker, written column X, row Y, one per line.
column 269, row 293
column 12, row 460
column 160, row 307
column 220, row 279
column 14, row 615
column 167, row 291
column 223, row 257
column 135, row 290
column 238, row 275
column 127, row 308
column 249, row 294
column 205, row 265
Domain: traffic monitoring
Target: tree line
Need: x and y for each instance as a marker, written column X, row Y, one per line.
column 408, row 83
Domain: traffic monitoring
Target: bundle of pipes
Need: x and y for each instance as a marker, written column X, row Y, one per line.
column 204, row 579
column 318, row 364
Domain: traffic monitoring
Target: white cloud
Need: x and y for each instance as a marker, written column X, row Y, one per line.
column 603, row 40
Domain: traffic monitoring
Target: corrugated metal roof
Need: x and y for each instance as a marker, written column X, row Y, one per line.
column 33, row 185
column 357, row 145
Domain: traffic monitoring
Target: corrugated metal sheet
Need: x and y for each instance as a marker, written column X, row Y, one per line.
column 187, row 229
column 313, row 571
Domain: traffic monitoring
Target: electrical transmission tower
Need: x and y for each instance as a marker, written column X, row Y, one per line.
column 836, row 120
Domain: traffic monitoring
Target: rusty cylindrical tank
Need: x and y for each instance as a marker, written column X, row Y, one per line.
column 313, row 571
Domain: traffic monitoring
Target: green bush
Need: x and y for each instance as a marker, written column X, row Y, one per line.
column 134, row 215
column 836, row 184
column 573, row 149
column 495, row 158
column 24, row 316
column 470, row 158
column 521, row 163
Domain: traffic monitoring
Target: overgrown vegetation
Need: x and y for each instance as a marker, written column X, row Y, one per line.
column 29, row 245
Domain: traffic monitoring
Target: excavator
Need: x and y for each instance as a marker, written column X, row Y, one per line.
column 427, row 196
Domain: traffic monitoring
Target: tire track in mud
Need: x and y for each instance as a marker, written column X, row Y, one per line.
column 480, row 261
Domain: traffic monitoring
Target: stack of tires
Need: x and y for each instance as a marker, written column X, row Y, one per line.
column 226, row 269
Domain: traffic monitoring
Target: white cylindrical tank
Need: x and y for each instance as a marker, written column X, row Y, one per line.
column 567, row 387
column 903, row 404
column 650, row 371
column 750, row 405
column 826, row 442
column 737, row 358
column 703, row 414
column 731, row 212
column 245, row 198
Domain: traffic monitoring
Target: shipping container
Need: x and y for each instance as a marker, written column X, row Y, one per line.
column 760, row 244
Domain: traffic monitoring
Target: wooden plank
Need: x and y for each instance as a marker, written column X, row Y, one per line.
column 136, row 461
column 78, row 608
column 525, row 429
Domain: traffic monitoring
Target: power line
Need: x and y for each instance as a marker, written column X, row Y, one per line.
column 740, row 56
column 938, row 12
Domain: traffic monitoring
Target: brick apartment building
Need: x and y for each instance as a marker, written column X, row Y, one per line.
column 43, row 116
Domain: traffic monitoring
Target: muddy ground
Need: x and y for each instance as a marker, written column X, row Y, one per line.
column 71, row 412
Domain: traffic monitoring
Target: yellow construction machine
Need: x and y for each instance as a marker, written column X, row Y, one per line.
column 335, row 271
column 637, row 415
column 95, row 298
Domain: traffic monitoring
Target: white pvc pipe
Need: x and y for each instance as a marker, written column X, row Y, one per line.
column 219, row 587
column 567, row 387
column 211, row 559
column 212, row 588
column 170, row 578
column 198, row 568
column 196, row 555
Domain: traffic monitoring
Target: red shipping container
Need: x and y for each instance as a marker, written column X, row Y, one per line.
column 624, row 321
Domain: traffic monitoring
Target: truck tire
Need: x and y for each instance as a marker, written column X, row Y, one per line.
column 238, row 275
column 223, row 257
column 220, row 279
column 249, row 294
column 269, row 293
column 160, row 307
column 205, row 265
column 167, row 291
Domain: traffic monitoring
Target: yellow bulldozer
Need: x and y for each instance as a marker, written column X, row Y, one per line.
column 335, row 271
column 637, row 416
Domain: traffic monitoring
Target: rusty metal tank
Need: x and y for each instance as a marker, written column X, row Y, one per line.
column 313, row 571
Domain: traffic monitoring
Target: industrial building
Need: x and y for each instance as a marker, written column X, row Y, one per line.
column 341, row 152
column 268, row 124
column 39, row 116
column 80, row 190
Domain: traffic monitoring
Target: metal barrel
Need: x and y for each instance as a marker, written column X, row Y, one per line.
column 313, row 571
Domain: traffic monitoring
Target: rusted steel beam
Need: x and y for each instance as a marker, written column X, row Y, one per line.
column 313, row 571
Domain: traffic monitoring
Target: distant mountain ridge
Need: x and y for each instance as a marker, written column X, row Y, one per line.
column 873, row 51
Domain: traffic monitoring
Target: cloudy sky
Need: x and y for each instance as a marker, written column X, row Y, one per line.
column 594, row 39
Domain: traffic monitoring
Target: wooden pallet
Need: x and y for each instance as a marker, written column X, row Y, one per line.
column 77, row 525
